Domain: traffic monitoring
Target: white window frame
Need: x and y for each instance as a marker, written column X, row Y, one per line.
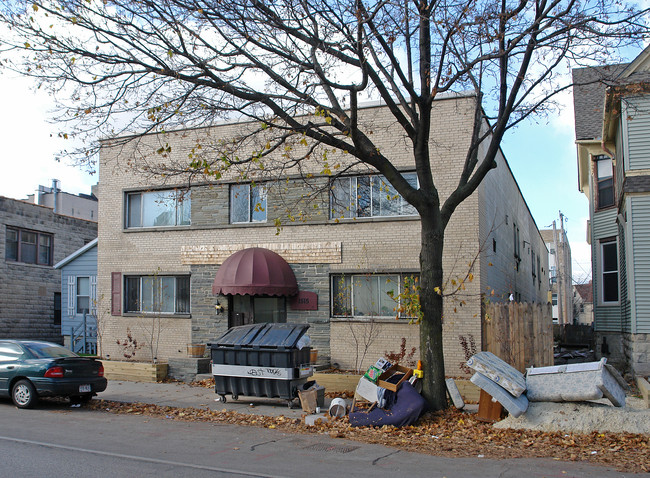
column 602, row 272
column 182, row 204
column 350, row 281
column 252, row 207
column 77, row 295
column 608, row 165
column 351, row 207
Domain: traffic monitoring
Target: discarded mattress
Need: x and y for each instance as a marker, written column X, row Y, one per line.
column 499, row 372
column 515, row 405
column 576, row 383
column 455, row 395
column 407, row 408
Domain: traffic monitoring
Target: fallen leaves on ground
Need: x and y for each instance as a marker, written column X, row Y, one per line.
column 448, row 433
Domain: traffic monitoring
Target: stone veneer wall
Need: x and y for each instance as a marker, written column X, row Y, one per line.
column 206, row 324
column 27, row 290
column 637, row 353
column 315, row 278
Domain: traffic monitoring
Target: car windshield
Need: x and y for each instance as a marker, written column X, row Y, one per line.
column 42, row 350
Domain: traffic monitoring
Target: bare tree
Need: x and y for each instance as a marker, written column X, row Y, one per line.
column 299, row 70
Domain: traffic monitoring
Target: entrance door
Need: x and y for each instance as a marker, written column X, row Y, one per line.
column 246, row 309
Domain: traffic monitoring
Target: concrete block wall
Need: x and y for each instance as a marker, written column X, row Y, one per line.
column 27, row 290
column 186, row 369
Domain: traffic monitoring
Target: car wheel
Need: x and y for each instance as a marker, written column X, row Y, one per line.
column 23, row 394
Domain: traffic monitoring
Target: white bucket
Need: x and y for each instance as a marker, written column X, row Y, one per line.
column 338, row 408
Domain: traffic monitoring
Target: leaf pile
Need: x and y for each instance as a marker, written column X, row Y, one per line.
column 446, row 433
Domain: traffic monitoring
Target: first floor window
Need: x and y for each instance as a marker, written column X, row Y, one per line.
column 30, row 247
column 367, row 295
column 247, row 203
column 158, row 294
column 83, row 295
column 158, row 208
column 609, row 272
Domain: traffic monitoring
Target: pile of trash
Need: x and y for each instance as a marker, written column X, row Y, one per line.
column 387, row 394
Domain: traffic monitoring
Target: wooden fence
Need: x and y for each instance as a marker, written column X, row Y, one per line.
column 519, row 333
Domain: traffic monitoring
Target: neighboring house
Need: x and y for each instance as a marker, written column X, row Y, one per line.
column 33, row 238
column 560, row 276
column 79, row 299
column 583, row 304
column 82, row 206
column 612, row 114
column 164, row 249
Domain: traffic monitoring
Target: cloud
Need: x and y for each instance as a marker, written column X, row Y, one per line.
column 30, row 145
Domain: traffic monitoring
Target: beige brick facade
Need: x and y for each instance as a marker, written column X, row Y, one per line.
column 372, row 245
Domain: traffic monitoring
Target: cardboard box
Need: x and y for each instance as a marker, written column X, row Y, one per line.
column 312, row 398
column 367, row 390
column 389, row 373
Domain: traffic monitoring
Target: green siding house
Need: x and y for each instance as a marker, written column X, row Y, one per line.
column 612, row 121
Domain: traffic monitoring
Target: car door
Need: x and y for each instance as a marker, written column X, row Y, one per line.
column 11, row 356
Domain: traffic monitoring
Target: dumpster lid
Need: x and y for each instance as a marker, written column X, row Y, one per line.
column 255, row 271
column 263, row 335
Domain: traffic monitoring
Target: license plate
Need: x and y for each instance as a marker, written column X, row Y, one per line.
column 84, row 388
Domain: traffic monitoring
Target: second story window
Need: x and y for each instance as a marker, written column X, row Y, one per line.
column 605, row 181
column 30, row 247
column 158, row 209
column 247, row 203
column 369, row 196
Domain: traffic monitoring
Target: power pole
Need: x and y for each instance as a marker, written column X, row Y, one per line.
column 568, row 277
column 558, row 276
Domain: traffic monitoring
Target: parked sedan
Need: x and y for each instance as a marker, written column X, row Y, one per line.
column 31, row 369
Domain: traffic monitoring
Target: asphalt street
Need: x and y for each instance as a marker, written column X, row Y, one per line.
column 55, row 440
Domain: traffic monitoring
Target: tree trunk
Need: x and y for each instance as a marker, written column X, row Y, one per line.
column 431, row 347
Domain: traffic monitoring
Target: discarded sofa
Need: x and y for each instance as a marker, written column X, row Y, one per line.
column 575, row 383
column 406, row 409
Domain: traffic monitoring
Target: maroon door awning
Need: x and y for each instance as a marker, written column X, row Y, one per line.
column 255, row 271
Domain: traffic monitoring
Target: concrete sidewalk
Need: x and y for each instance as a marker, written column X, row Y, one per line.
column 180, row 395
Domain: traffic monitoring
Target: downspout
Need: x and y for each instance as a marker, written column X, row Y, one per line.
column 609, row 153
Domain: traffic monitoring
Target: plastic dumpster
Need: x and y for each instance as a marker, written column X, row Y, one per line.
column 261, row 360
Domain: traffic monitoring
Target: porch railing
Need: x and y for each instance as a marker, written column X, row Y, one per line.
column 83, row 337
